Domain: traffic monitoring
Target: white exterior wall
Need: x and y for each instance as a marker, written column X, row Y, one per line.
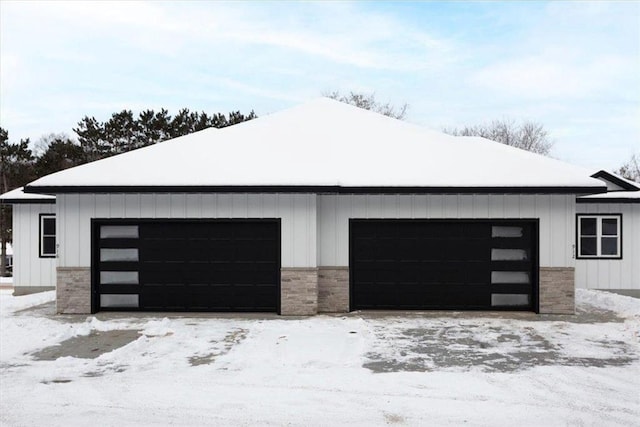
column 296, row 211
column 555, row 212
column 616, row 273
column 28, row 268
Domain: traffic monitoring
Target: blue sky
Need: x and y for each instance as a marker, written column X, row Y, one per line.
column 573, row 66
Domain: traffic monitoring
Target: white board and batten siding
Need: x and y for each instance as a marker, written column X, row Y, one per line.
column 28, row 268
column 556, row 214
column 616, row 273
column 313, row 238
column 296, row 211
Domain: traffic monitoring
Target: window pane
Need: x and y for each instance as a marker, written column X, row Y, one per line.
column 610, row 227
column 503, row 231
column 588, row 245
column 119, row 277
column 48, row 246
column 609, row 246
column 509, row 299
column 509, row 277
column 119, row 232
column 588, row 226
column 508, row 254
column 49, row 226
column 119, row 301
column 118, row 255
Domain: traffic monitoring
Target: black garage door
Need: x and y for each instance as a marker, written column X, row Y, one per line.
column 434, row 264
column 186, row 265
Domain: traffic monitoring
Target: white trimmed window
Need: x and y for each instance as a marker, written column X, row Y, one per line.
column 47, row 236
column 600, row 236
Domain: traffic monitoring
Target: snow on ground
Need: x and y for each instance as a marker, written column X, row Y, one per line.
column 361, row 369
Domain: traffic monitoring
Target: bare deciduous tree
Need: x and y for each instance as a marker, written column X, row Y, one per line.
column 631, row 169
column 529, row 135
column 369, row 102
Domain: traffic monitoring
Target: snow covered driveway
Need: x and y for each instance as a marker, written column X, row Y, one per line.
column 359, row 369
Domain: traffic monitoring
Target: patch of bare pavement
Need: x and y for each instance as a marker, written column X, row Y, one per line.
column 460, row 341
column 89, row 346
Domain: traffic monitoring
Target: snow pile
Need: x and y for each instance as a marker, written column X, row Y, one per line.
column 622, row 305
column 11, row 304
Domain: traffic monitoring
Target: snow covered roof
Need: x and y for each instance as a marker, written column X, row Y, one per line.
column 616, row 182
column 323, row 145
column 612, row 197
column 19, row 196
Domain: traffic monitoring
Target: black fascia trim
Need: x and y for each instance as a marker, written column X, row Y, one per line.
column 332, row 189
column 615, row 180
column 607, row 200
column 27, row 201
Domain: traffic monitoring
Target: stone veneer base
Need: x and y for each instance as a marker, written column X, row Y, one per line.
column 557, row 290
column 333, row 289
column 298, row 291
column 73, row 290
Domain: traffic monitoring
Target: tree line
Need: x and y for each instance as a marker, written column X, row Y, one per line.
column 122, row 132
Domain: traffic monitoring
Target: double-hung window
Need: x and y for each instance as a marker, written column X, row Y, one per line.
column 47, row 236
column 600, row 236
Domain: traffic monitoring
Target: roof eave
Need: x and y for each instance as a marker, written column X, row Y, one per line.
column 333, row 189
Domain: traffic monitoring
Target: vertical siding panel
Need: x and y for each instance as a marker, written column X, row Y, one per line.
column 420, row 206
column 27, row 244
column 254, row 206
column 73, row 230
column 496, row 206
column 87, row 210
column 224, row 206
column 374, row 206
column 193, row 205
column 147, row 205
column 404, row 205
column 630, row 259
column 342, row 229
column 284, row 209
column 116, row 205
column 312, row 227
column 511, row 206
column 209, row 205
column 132, row 205
column 542, row 212
column 450, row 206
column 481, row 206
column 102, row 209
column 359, row 206
column 239, row 205
column 436, row 206
column 465, row 206
column 300, row 227
column 327, row 230
column 163, row 205
column 527, row 206
column 61, row 222
column 178, row 205
column 634, row 254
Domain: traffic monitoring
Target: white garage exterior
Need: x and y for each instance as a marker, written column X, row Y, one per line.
column 31, row 271
column 314, row 169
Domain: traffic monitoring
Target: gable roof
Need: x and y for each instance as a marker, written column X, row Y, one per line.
column 323, row 146
column 18, row 196
column 623, row 183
